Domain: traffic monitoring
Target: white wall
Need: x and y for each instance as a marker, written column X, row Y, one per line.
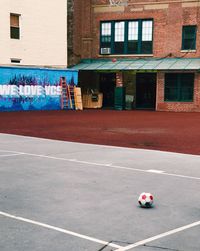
column 43, row 29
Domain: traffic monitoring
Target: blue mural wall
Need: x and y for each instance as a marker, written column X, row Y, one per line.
column 32, row 88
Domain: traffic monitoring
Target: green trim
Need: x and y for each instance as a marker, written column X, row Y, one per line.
column 139, row 36
column 126, row 38
column 112, row 36
column 145, row 64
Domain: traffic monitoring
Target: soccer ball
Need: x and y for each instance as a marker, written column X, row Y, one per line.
column 145, row 200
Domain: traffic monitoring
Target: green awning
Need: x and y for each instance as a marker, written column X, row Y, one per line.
column 139, row 64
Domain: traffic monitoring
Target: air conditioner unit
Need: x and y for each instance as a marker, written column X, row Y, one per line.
column 105, row 51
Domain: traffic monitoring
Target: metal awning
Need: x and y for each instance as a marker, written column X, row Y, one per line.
column 139, row 64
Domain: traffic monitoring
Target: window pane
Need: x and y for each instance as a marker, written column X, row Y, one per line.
column 14, row 20
column 189, row 31
column 147, row 31
column 119, row 31
column 106, row 29
column 133, row 47
column 146, row 47
column 14, row 33
column 119, row 48
column 171, row 87
column 187, row 87
column 105, row 45
column 106, row 39
column 189, row 44
column 133, row 30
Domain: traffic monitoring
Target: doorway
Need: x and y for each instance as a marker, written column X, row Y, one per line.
column 107, row 87
column 146, row 91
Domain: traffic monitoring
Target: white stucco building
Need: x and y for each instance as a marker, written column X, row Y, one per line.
column 33, row 33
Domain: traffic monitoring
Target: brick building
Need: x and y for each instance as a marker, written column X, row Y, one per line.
column 150, row 49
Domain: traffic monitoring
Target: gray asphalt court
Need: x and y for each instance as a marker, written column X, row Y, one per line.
column 64, row 196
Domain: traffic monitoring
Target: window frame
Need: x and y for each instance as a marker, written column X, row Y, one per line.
column 193, row 45
column 179, row 87
column 126, row 36
column 15, row 29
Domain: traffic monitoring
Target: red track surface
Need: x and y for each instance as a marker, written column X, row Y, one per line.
column 166, row 131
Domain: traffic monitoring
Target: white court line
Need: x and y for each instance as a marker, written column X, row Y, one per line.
column 155, row 171
column 108, row 165
column 113, row 166
column 58, row 229
column 10, row 155
column 174, row 231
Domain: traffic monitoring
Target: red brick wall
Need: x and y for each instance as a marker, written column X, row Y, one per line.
column 82, row 26
column 161, row 105
column 167, row 26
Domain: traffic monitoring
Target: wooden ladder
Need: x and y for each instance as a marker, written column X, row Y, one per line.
column 64, row 94
column 70, row 96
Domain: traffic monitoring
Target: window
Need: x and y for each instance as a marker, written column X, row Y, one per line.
column 127, row 37
column 106, row 35
column 15, row 60
column 14, row 26
column 189, row 37
column 119, row 38
column 132, row 45
column 179, row 87
column 146, row 44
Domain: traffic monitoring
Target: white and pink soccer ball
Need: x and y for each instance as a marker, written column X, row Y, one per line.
column 145, row 200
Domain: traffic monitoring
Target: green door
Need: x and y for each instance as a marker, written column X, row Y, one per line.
column 119, row 98
column 107, row 87
column 146, row 91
